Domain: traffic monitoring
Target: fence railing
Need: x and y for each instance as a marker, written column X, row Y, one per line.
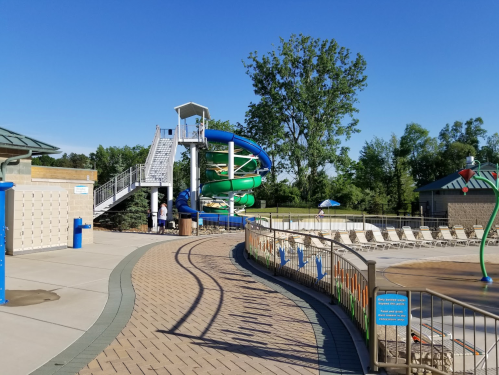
column 316, row 262
column 152, row 150
column 191, row 132
column 344, row 222
column 119, row 183
column 443, row 335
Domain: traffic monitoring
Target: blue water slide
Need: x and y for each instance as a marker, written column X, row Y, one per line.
column 220, row 136
column 226, row 137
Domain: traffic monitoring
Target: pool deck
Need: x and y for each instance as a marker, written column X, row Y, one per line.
column 148, row 304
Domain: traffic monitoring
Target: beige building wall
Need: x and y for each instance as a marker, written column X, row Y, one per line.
column 80, row 205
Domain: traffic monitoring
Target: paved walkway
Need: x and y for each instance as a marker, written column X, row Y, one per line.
column 76, row 284
column 198, row 311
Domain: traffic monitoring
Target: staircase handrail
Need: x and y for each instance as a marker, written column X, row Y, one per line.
column 152, row 150
column 171, row 157
column 118, row 183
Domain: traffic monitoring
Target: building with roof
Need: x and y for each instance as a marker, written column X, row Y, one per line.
column 445, row 197
column 45, row 200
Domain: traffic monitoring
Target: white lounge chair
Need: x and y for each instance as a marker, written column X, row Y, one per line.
column 345, row 238
column 378, row 237
column 479, row 232
column 426, row 233
column 461, row 234
column 361, row 237
column 393, row 236
column 410, row 237
column 447, row 235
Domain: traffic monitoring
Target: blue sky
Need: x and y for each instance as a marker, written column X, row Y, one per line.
column 82, row 73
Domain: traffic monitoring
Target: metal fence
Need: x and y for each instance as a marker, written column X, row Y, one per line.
column 343, row 222
column 317, row 262
column 443, row 335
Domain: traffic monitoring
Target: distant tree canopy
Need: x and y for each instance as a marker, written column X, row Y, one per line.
column 65, row 161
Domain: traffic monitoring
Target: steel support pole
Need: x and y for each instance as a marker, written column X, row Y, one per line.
column 193, row 187
column 169, row 203
column 331, row 273
column 3, row 186
column 231, row 177
column 275, row 250
column 373, row 344
column 408, row 337
column 154, row 208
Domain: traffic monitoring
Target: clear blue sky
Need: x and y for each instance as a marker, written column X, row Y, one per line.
column 82, row 73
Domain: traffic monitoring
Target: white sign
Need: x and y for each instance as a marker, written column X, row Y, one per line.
column 81, row 189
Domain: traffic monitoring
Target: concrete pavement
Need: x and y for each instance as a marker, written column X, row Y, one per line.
column 33, row 334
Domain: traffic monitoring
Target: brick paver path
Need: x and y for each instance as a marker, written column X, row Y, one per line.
column 196, row 313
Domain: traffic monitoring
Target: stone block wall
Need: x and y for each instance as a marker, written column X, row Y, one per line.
column 472, row 213
column 80, row 205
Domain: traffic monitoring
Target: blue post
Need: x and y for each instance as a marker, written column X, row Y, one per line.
column 3, row 186
column 78, row 232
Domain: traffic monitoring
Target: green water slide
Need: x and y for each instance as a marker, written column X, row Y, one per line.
column 220, row 186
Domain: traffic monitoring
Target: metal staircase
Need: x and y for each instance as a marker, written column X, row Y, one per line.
column 157, row 171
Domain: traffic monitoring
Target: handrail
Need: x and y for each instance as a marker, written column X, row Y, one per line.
column 118, row 183
column 152, row 150
column 440, row 295
column 314, row 236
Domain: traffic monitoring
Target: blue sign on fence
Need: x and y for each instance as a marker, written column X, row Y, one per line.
column 392, row 310
column 200, row 221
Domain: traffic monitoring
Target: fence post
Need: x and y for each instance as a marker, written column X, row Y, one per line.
column 363, row 221
column 275, row 250
column 115, row 185
column 289, row 221
column 130, row 176
column 197, row 226
column 271, row 220
column 227, row 222
column 331, row 261
column 408, row 338
column 373, row 336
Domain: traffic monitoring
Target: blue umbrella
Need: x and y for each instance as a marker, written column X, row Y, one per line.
column 329, row 203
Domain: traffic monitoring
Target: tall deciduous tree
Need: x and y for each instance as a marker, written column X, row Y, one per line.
column 308, row 90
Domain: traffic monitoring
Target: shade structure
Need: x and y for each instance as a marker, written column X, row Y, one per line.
column 329, row 203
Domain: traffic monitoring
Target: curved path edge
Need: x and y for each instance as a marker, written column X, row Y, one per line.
column 337, row 349
column 113, row 319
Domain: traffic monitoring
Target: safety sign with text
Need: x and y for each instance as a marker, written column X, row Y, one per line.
column 392, row 310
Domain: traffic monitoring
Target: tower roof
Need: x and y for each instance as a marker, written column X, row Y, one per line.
column 192, row 109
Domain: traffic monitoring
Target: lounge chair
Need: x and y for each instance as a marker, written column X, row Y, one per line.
column 345, row 238
column 461, row 234
column 479, row 232
column 447, row 236
column 378, row 237
column 315, row 242
column 393, row 236
column 426, row 233
column 361, row 237
column 410, row 237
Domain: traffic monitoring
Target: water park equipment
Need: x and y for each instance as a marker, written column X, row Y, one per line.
column 232, row 173
column 467, row 175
